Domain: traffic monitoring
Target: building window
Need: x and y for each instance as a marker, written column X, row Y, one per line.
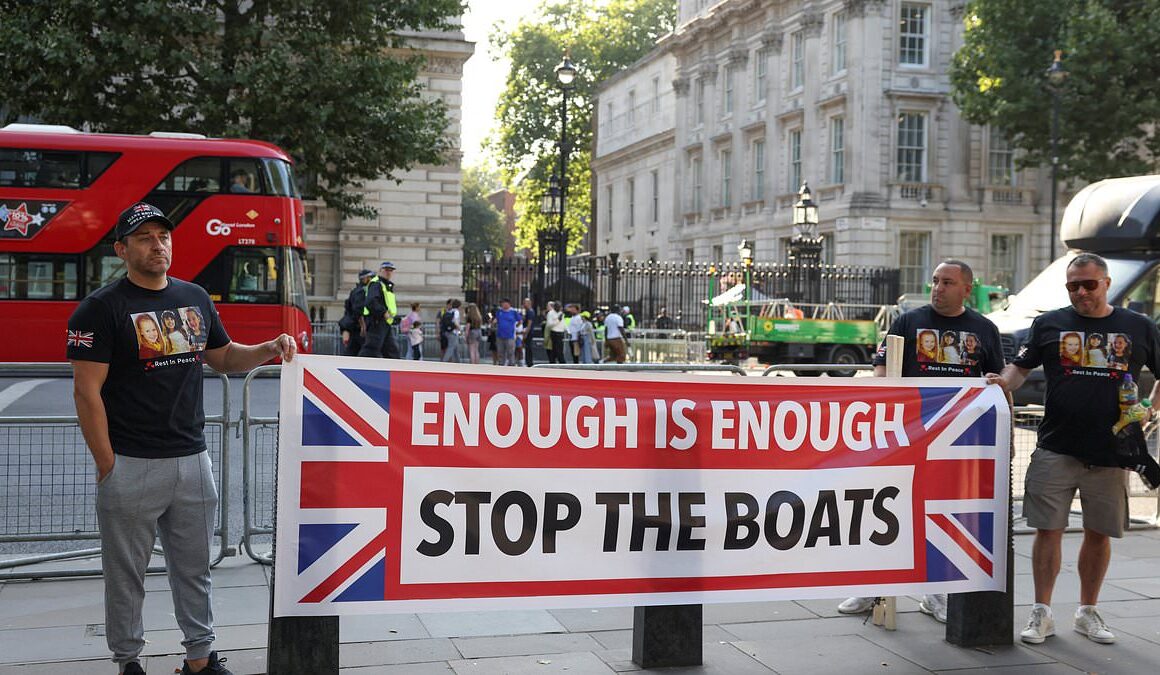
column 727, row 96
column 1006, row 261
column 838, row 60
column 699, row 102
column 1001, row 160
column 609, row 113
column 912, row 35
column 656, row 197
column 631, row 114
column 695, row 173
column 631, row 203
column 726, row 177
column 690, row 255
column 656, row 94
column 798, row 61
column 913, row 260
column 758, row 188
column 795, row 160
column 760, row 65
column 912, row 147
column 718, row 253
column 838, row 150
column 608, row 206
column 827, row 254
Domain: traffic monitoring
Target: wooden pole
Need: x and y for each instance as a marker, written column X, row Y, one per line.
column 886, row 609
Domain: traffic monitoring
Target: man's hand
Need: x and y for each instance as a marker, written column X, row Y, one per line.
column 283, row 346
column 103, row 468
column 996, row 378
column 345, row 337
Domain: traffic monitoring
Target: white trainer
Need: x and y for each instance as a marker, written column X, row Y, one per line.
column 856, row 605
column 1039, row 627
column 1089, row 623
column 934, row 605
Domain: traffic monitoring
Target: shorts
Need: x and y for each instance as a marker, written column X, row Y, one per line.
column 1051, row 482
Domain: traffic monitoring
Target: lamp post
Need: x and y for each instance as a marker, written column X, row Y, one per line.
column 745, row 252
column 806, row 245
column 551, row 206
column 1056, row 76
column 565, row 75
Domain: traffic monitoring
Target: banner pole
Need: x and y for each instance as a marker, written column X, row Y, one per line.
column 886, row 609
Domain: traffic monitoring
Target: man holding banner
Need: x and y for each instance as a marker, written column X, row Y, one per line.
column 950, row 287
column 1076, row 448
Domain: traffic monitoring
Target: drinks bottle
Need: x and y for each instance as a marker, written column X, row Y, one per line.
column 1130, row 408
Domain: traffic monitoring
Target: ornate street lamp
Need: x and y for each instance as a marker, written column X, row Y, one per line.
column 805, row 245
column 551, row 206
column 745, row 252
column 1056, row 76
column 565, row 75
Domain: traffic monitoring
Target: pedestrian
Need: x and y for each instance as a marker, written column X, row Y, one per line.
column 588, row 353
column 629, row 320
column 557, row 332
column 598, row 343
column 1076, row 449
column 405, row 329
column 451, row 327
column 530, row 321
column 351, row 324
column 143, row 421
column 575, row 326
column 950, row 287
column 474, row 331
column 663, row 320
column 415, row 340
column 614, row 337
column 439, row 324
column 379, row 313
column 504, row 324
column 489, row 323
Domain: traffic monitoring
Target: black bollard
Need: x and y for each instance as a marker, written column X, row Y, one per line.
column 668, row 635
column 303, row 645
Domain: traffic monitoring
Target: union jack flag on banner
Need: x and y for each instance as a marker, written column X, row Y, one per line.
column 411, row 486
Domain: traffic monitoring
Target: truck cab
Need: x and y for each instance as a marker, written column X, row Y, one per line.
column 1118, row 219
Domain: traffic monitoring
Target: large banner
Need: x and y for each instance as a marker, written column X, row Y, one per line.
column 407, row 486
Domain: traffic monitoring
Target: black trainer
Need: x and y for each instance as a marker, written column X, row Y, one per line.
column 214, row 667
column 133, row 668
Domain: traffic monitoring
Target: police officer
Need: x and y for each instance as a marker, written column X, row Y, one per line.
column 379, row 314
column 351, row 323
column 629, row 319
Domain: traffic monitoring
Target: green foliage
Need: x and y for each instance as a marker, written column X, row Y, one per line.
column 602, row 39
column 327, row 80
column 483, row 226
column 1108, row 106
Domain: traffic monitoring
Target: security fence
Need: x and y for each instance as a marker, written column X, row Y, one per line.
column 681, row 289
column 48, row 487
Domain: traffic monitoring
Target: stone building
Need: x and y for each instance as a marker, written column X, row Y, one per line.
column 418, row 227
column 851, row 96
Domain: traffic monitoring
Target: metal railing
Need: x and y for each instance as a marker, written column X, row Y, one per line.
column 259, row 469
column 48, row 491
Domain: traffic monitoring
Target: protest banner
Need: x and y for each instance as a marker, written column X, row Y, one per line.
column 409, row 486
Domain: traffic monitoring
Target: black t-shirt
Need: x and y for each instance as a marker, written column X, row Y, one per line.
column 1084, row 360
column 153, row 342
column 966, row 345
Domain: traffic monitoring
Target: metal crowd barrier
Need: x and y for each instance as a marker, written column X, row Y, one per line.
column 649, row 367
column 48, row 489
column 259, row 470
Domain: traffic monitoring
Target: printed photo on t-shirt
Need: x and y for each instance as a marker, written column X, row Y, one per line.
column 171, row 331
column 1119, row 351
column 949, row 350
column 1095, row 351
column 1071, row 348
column 926, row 345
column 971, row 353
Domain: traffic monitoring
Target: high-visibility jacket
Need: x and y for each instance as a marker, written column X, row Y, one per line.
column 629, row 321
column 380, row 299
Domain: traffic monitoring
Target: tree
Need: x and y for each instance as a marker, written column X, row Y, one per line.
column 483, row 225
column 602, row 40
column 1108, row 104
column 330, row 81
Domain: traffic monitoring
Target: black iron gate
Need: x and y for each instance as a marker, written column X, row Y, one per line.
column 681, row 289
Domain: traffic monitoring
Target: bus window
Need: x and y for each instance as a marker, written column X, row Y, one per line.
column 280, row 178
column 32, row 276
column 243, row 174
column 200, row 174
column 26, row 167
column 102, row 266
column 296, row 274
column 96, row 163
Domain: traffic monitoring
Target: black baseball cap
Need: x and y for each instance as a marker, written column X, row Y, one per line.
column 365, row 273
column 137, row 215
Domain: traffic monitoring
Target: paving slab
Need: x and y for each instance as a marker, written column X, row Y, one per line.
column 575, row 663
column 386, row 627
column 430, row 650
column 525, row 645
column 604, row 618
column 719, row 658
column 1146, row 587
column 438, row 668
column 466, row 624
column 837, row 654
column 744, row 612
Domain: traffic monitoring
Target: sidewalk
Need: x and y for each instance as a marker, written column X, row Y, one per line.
column 54, row 627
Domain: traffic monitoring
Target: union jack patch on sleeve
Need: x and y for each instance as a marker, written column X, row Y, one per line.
column 80, row 338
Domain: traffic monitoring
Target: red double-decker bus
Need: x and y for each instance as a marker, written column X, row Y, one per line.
column 236, row 207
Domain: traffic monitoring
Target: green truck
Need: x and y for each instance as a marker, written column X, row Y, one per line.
column 779, row 331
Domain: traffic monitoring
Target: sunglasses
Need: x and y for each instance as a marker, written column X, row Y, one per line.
column 1086, row 284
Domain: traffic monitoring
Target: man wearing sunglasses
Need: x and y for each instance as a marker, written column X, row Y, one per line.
column 1076, row 449
column 946, row 315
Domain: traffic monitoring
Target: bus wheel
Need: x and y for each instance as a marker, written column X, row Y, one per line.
column 845, row 355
